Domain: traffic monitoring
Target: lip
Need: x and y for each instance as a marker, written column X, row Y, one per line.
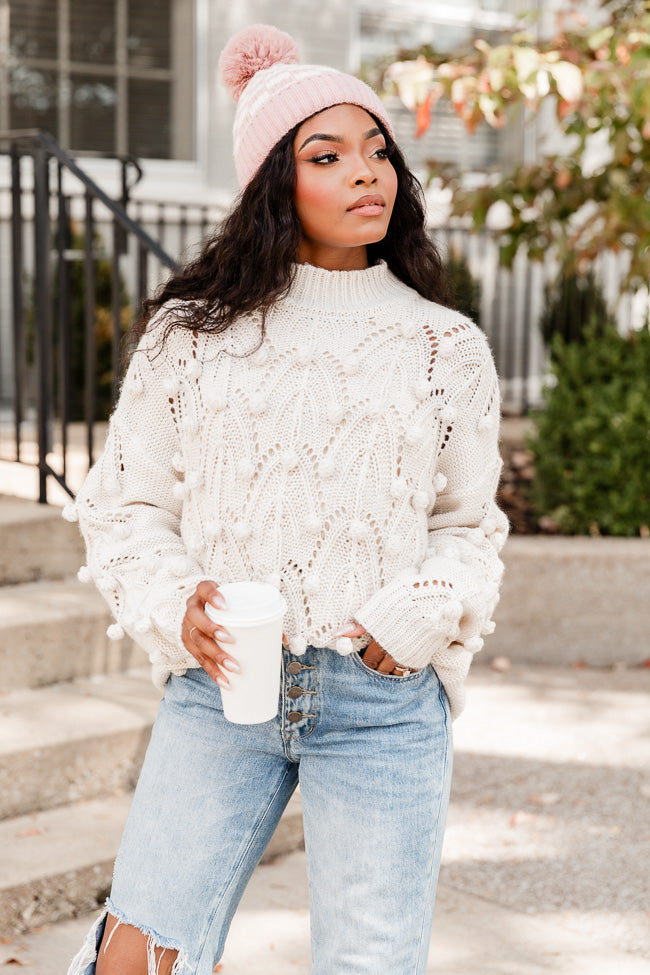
column 370, row 204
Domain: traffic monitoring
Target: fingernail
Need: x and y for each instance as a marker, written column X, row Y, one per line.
column 346, row 630
column 218, row 601
column 223, row 636
column 232, row 665
column 222, row 681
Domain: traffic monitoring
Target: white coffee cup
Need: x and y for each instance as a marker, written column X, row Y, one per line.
column 253, row 618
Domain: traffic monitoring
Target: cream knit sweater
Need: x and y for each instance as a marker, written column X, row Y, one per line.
column 351, row 461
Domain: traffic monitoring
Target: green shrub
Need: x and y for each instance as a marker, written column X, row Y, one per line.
column 103, row 330
column 465, row 289
column 573, row 302
column 103, row 368
column 591, row 442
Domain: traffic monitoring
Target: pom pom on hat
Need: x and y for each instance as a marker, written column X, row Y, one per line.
column 254, row 49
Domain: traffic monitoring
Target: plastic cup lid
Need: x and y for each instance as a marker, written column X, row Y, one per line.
column 249, row 602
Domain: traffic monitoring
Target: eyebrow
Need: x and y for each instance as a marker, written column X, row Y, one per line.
column 323, row 137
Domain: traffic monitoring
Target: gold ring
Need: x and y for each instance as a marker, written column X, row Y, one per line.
column 192, row 631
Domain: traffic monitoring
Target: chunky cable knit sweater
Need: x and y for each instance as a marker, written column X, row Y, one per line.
column 351, row 461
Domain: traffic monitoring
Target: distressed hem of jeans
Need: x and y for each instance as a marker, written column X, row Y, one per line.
column 87, row 955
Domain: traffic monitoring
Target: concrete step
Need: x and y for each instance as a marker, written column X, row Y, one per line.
column 56, row 630
column 36, row 542
column 73, row 741
column 59, row 863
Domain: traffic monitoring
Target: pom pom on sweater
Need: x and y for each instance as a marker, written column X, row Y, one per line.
column 439, row 482
column 251, row 50
column 297, row 645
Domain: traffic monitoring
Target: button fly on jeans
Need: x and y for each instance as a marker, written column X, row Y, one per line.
column 295, row 692
column 294, row 667
column 295, row 716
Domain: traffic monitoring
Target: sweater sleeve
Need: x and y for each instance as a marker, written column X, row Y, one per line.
column 129, row 512
column 440, row 612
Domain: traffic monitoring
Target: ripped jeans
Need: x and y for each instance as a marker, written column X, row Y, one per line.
column 372, row 754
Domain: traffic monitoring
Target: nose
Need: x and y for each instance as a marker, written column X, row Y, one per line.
column 362, row 174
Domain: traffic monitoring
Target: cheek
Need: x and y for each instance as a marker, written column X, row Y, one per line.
column 391, row 186
column 315, row 199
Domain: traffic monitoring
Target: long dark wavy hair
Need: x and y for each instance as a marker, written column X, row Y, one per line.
column 246, row 264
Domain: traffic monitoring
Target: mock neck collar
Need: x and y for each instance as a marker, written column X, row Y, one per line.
column 314, row 287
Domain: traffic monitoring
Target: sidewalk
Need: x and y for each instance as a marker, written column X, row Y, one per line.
column 545, row 864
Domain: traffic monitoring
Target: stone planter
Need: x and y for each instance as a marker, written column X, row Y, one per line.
column 567, row 600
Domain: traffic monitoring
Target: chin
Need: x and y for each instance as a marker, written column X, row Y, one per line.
column 375, row 238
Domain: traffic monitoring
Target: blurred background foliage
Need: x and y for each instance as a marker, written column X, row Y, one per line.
column 599, row 79
column 589, row 452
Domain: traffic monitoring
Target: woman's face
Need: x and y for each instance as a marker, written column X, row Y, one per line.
column 345, row 187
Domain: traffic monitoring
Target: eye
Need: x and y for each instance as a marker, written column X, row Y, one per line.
column 325, row 158
column 381, row 153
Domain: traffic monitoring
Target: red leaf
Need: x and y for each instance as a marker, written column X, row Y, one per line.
column 423, row 117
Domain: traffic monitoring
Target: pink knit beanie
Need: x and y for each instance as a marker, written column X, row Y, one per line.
column 260, row 66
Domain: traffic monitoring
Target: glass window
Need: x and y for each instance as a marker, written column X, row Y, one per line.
column 33, row 99
column 93, row 101
column 149, row 118
column 103, row 75
column 149, row 34
column 92, row 31
column 33, row 29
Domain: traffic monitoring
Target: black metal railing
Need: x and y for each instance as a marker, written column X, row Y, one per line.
column 44, row 182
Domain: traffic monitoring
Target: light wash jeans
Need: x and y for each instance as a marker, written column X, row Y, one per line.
column 373, row 757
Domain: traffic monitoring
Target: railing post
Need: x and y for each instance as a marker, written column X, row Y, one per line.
column 89, row 330
column 64, row 325
column 116, row 302
column 17, row 294
column 143, row 254
column 43, row 308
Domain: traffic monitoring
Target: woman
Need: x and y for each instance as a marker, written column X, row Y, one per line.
column 302, row 410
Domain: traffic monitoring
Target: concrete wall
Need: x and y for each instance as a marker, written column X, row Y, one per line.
column 571, row 600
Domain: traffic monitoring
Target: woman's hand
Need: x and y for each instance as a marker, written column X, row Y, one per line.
column 375, row 656
column 202, row 636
